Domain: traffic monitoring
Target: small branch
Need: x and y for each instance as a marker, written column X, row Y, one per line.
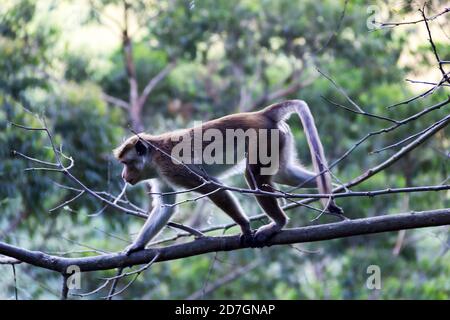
column 66, row 170
column 396, row 144
column 394, row 158
column 433, row 46
column 388, row 129
column 422, row 95
column 336, row 30
column 367, row 114
column 115, row 101
column 136, row 273
column 283, row 92
column 65, row 203
column 190, row 230
column 17, row 153
column 428, row 83
column 342, row 91
column 154, row 82
column 114, row 284
column 395, row 24
column 93, row 291
column 64, row 287
column 385, row 164
column 16, row 295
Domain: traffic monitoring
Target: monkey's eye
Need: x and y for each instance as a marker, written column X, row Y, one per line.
column 141, row 149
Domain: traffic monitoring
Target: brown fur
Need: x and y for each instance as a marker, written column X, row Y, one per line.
column 249, row 120
column 291, row 173
column 128, row 144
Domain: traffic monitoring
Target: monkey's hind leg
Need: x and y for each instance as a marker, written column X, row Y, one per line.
column 267, row 203
column 295, row 175
column 228, row 203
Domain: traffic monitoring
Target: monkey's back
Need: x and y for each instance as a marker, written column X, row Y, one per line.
column 217, row 146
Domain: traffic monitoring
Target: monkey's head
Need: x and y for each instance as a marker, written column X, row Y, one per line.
column 135, row 155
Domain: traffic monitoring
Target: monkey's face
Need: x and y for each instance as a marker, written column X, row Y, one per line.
column 131, row 172
column 137, row 164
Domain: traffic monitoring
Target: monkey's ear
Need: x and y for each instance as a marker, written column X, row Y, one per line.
column 141, row 149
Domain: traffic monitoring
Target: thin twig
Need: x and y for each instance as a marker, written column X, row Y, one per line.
column 433, row 46
column 395, row 24
column 16, row 296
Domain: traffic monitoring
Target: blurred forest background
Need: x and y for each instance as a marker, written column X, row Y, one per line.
column 94, row 69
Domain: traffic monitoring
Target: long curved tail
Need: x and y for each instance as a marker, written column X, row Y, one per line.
column 281, row 111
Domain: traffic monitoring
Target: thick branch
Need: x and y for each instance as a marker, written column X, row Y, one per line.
column 227, row 243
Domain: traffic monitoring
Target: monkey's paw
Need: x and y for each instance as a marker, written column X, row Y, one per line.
column 248, row 239
column 264, row 234
column 332, row 207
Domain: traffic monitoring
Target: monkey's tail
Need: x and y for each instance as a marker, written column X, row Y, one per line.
column 281, row 111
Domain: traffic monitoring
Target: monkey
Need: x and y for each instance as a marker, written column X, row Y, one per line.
column 147, row 156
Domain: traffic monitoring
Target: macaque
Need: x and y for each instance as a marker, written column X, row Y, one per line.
column 194, row 158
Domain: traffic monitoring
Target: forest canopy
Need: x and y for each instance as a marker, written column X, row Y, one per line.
column 78, row 77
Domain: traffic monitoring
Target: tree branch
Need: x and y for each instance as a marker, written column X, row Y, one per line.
column 204, row 245
column 64, row 287
column 154, row 82
column 433, row 46
column 395, row 24
column 115, row 101
column 294, row 86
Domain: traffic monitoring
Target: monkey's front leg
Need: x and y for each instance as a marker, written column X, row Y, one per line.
column 159, row 216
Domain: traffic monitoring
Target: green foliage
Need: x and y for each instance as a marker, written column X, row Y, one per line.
column 222, row 49
column 24, row 47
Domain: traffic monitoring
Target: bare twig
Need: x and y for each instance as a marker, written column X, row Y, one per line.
column 433, row 46
column 407, row 138
column 190, row 230
column 371, row 115
column 65, row 203
column 395, row 24
column 16, row 296
column 428, row 83
column 115, row 101
column 114, row 284
column 154, row 82
column 422, row 95
column 64, row 286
